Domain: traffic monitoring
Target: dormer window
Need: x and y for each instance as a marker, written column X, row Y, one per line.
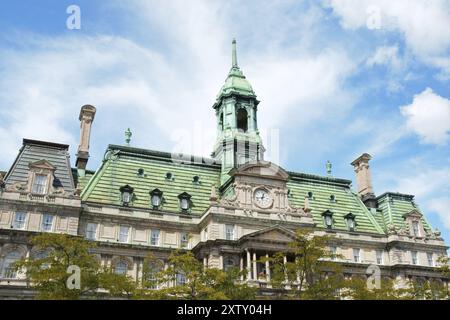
column 310, row 195
column 156, row 198
column 350, row 219
column 185, row 201
column 328, row 219
column 39, row 184
column 196, row 180
column 332, row 198
column 127, row 194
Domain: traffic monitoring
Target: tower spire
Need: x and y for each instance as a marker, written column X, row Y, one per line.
column 234, row 56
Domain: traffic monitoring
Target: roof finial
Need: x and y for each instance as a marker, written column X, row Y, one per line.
column 128, row 135
column 329, row 166
column 235, row 64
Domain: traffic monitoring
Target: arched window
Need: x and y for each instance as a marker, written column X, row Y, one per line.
column 242, row 120
column 8, row 271
column 121, row 267
column 221, row 121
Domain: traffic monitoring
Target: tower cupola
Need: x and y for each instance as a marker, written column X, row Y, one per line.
column 238, row 141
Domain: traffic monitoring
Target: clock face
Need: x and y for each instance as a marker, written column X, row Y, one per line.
column 262, row 198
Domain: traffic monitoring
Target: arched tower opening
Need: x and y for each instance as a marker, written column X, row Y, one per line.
column 242, row 120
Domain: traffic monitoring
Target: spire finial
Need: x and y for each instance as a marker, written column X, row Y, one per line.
column 128, row 135
column 235, row 64
column 329, row 166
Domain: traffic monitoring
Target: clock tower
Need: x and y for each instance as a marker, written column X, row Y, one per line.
column 238, row 141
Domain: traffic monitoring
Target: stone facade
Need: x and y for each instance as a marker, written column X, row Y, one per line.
column 230, row 210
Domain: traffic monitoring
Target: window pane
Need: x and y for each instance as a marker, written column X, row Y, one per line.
column 39, row 184
column 19, row 220
column 430, row 259
column 154, row 240
column 184, row 240
column 47, row 222
column 121, row 268
column 91, row 231
column 8, row 270
column 356, row 255
column 123, row 234
column 229, row 232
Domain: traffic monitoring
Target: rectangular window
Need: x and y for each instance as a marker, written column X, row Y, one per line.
column 415, row 227
column 180, row 279
column 184, row 240
column 430, row 259
column 229, row 232
column 379, row 254
column 356, row 255
column 333, row 250
column 154, row 237
column 91, row 231
column 414, row 257
column 47, row 222
column 39, row 184
column 19, row 220
column 123, row 234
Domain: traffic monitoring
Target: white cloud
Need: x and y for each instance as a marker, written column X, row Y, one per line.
column 429, row 117
column 424, row 24
column 386, row 55
column 441, row 207
column 162, row 88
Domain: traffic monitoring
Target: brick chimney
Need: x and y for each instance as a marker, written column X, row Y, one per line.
column 86, row 118
column 364, row 180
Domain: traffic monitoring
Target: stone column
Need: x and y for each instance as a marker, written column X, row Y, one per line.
column 221, row 262
column 249, row 268
column 255, row 269
column 267, row 268
column 241, row 267
column 285, row 274
column 205, row 261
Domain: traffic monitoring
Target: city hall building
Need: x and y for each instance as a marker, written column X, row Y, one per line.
column 229, row 210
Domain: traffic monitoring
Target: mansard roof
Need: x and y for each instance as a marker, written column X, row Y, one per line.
column 319, row 191
column 122, row 163
column 121, row 166
column 393, row 207
column 41, row 152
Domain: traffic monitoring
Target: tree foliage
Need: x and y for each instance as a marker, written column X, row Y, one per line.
column 47, row 269
column 186, row 278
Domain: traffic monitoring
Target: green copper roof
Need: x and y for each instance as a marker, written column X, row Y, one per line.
column 345, row 201
column 236, row 81
column 394, row 205
column 146, row 170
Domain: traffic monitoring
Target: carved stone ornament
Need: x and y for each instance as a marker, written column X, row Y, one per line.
column 392, row 229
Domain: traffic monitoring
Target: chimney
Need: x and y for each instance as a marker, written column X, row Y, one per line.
column 364, row 180
column 86, row 117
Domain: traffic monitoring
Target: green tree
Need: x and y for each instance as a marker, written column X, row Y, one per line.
column 47, row 269
column 356, row 288
column 310, row 273
column 187, row 278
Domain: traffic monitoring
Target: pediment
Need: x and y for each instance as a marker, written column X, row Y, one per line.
column 42, row 164
column 276, row 233
column 413, row 214
column 261, row 169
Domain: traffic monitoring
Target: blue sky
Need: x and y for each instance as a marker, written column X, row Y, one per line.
column 335, row 79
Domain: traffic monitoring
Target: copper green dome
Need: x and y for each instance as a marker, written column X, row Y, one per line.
column 236, row 81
